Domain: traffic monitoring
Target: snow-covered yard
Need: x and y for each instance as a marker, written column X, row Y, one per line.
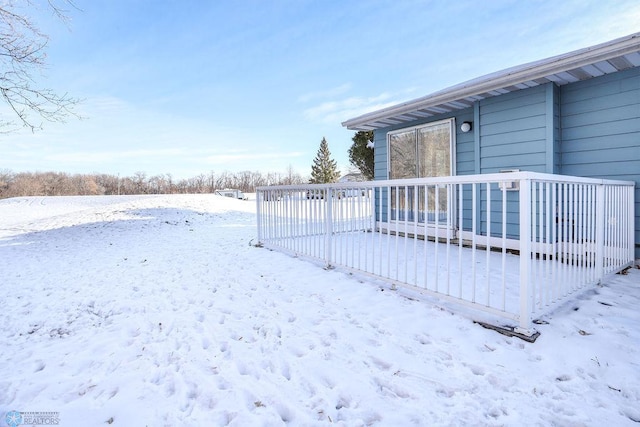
column 157, row 310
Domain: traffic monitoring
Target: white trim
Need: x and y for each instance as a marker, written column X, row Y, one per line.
column 454, row 147
column 419, row 230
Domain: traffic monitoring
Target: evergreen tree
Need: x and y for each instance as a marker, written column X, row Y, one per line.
column 324, row 169
column 360, row 155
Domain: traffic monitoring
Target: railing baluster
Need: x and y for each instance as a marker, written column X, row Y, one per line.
column 449, row 213
column 600, row 231
column 504, row 247
column 548, row 243
column 426, row 237
column 380, row 236
column 416, row 217
column 525, row 253
column 389, row 222
column 488, row 247
column 405, row 226
column 591, row 235
column 572, row 236
column 474, row 233
column 541, row 244
column 436, row 248
column 460, row 241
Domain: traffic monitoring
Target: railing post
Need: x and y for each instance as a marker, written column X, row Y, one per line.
column 258, row 213
column 328, row 227
column 600, row 225
column 630, row 221
column 525, row 257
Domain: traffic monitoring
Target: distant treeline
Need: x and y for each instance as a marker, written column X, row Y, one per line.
column 64, row 184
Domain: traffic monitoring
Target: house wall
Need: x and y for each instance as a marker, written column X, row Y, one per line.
column 513, row 131
column 600, row 128
column 589, row 128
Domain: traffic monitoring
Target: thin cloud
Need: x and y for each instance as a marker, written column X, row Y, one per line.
column 329, row 93
column 339, row 111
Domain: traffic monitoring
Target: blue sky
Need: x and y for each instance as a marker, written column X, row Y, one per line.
column 189, row 87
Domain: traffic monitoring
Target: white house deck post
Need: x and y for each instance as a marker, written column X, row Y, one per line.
column 259, row 216
column 630, row 204
column 328, row 229
column 525, row 257
column 600, row 225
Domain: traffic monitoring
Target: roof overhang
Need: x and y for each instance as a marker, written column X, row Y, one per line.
column 610, row 57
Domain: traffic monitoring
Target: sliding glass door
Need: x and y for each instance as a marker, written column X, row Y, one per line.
column 422, row 152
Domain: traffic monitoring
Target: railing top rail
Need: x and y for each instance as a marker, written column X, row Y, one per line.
column 458, row 179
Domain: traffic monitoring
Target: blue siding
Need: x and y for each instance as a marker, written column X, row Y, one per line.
column 601, row 130
column 513, row 131
column 465, row 164
column 380, row 154
column 516, row 132
column 380, row 169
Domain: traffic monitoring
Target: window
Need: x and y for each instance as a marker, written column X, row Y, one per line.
column 422, row 152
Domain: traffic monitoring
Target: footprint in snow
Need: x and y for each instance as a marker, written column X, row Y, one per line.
column 39, row 366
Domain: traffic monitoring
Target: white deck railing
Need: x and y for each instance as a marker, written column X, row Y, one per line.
column 548, row 235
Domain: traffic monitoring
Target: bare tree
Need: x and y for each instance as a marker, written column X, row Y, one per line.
column 212, row 182
column 292, row 177
column 170, row 185
column 200, row 183
column 257, row 180
column 22, row 54
column 273, row 178
column 64, row 184
column 182, row 186
column 157, row 185
column 222, row 181
column 6, row 179
column 84, row 185
column 53, row 184
column 140, row 183
column 109, row 183
column 27, row 184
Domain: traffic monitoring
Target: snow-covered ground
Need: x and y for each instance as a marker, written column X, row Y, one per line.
column 157, row 310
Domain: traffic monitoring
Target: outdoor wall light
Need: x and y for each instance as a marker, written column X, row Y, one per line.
column 465, row 127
